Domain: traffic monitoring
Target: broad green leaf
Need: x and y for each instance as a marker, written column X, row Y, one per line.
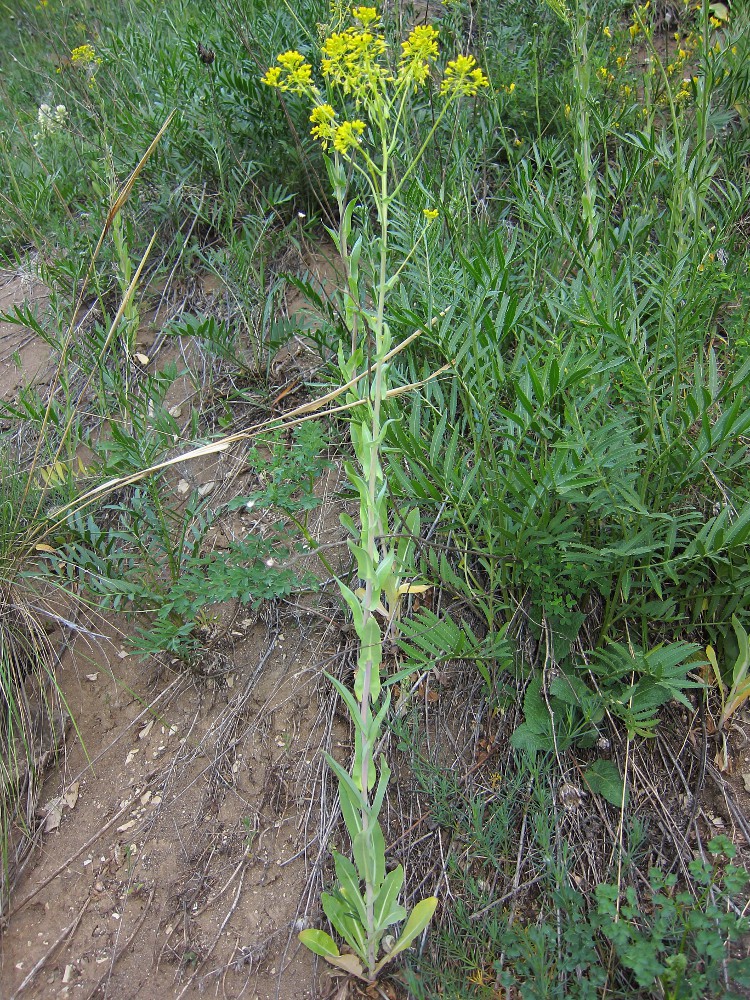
column 525, row 739
column 535, row 711
column 371, row 651
column 323, row 944
column 385, row 774
column 419, row 918
column 603, row 778
column 319, row 942
column 350, row 801
column 348, row 698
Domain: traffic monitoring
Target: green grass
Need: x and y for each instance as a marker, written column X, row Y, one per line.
column 580, row 463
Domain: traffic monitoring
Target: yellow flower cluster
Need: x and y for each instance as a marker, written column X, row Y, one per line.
column 684, row 53
column 463, row 77
column 348, row 135
column 343, row 136
column 351, row 59
column 291, row 75
column 417, row 53
column 366, row 16
column 639, row 19
column 686, row 90
column 85, row 55
column 355, row 59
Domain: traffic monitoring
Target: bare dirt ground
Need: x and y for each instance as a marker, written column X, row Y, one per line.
column 23, row 356
column 179, row 849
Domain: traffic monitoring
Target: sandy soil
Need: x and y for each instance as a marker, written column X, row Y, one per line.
column 179, row 848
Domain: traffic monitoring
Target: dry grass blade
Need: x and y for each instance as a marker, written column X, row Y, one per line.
column 116, row 206
column 306, row 411
column 32, row 724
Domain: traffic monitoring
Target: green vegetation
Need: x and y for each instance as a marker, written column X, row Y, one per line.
column 539, row 349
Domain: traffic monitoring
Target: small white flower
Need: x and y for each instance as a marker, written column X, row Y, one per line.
column 49, row 121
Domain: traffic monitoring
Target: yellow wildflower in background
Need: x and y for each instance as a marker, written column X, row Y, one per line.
column 463, row 77
column 430, row 214
column 85, row 55
column 365, row 15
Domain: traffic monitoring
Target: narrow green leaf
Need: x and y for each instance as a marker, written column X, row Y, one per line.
column 387, row 910
column 339, row 911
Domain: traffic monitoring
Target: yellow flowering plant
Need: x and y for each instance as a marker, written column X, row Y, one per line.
column 358, row 116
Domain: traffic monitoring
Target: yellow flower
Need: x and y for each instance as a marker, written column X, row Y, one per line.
column 634, row 29
column 365, row 15
column 348, row 135
column 463, row 77
column 85, row 55
column 418, row 51
column 567, row 111
column 621, row 60
column 292, row 74
column 350, row 59
column 430, row 214
column 273, row 76
column 509, row 88
column 606, row 32
column 324, row 124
